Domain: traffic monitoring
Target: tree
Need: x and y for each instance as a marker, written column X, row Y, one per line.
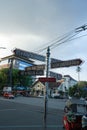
column 77, row 90
column 3, row 77
column 25, row 80
column 16, row 78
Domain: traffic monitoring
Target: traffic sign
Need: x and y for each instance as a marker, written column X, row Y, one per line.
column 35, row 67
column 32, row 72
column 26, row 55
column 44, row 79
column 67, row 63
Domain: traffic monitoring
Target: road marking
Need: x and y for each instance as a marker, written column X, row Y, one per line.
column 7, row 109
column 32, row 126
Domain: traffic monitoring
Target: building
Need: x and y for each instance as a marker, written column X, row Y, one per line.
column 38, row 88
column 66, row 82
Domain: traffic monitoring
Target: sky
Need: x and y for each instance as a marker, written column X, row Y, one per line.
column 32, row 25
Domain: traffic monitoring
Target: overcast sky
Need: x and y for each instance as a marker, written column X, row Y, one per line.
column 32, row 24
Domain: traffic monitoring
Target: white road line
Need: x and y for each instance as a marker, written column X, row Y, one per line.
column 7, row 109
column 31, row 126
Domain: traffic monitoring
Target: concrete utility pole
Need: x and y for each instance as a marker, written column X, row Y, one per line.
column 78, row 71
column 46, row 85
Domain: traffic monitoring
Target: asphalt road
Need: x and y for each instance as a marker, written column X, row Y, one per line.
column 15, row 115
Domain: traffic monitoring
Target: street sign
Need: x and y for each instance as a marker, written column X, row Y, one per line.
column 57, row 64
column 35, row 67
column 67, row 63
column 44, row 79
column 26, row 55
column 32, row 72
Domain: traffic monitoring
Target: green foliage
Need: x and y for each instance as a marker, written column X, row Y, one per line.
column 77, row 90
column 3, row 77
column 16, row 78
column 25, row 80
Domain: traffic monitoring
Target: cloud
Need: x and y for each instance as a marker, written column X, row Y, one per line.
column 31, row 24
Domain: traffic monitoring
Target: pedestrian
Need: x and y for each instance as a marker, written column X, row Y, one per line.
column 68, row 105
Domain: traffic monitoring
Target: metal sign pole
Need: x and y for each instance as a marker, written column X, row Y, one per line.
column 46, row 85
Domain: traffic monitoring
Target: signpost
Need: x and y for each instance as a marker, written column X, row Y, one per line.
column 39, row 69
column 67, row 63
column 46, row 84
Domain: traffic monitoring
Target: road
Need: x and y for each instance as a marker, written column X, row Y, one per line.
column 52, row 103
column 24, row 113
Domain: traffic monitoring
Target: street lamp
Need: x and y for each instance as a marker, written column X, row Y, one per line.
column 2, row 47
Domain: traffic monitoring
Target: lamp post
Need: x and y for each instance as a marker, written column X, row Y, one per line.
column 2, row 48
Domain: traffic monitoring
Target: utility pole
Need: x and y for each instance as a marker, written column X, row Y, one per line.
column 78, row 71
column 46, row 85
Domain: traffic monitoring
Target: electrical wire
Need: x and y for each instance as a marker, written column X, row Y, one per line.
column 65, row 38
column 58, row 39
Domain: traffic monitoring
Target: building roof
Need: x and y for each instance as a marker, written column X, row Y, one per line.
column 51, row 84
column 70, row 77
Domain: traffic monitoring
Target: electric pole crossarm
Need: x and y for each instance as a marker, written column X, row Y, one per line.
column 81, row 28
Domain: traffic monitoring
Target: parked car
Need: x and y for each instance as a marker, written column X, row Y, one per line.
column 55, row 95
column 8, row 95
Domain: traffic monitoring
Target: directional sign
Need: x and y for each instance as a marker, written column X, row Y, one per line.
column 44, row 79
column 67, row 63
column 27, row 55
column 32, row 72
column 57, row 64
column 35, row 67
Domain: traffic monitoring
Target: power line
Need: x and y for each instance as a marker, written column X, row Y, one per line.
column 58, row 39
column 64, row 38
column 68, row 39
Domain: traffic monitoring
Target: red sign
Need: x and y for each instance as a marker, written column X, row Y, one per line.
column 44, row 79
